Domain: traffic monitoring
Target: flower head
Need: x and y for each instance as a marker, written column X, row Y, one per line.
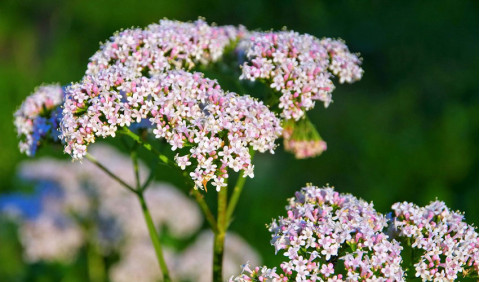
column 164, row 46
column 37, row 118
column 324, row 228
column 300, row 67
column 211, row 129
column 449, row 245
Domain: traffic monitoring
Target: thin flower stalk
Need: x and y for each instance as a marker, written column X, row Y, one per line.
column 148, row 218
column 205, row 209
column 110, row 173
column 155, row 239
column 219, row 238
column 165, row 160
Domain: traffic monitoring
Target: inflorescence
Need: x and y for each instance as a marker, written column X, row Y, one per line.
column 325, row 231
column 186, row 109
column 448, row 246
column 164, row 46
column 300, row 67
column 138, row 76
column 328, row 236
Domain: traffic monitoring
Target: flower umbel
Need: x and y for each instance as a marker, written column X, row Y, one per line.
column 449, row 245
column 323, row 229
column 300, row 67
column 164, row 46
column 212, row 129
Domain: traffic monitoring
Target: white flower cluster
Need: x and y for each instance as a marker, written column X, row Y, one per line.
column 139, row 263
column 38, row 117
column 185, row 109
column 449, row 245
column 300, row 67
column 164, row 46
column 87, row 195
column 324, row 228
column 39, row 238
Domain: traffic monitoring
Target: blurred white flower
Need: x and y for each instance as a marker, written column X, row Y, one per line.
column 82, row 193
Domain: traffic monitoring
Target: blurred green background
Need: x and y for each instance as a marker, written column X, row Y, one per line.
column 407, row 131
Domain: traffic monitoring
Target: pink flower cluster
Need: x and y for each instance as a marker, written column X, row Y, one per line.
column 324, row 228
column 449, row 245
column 300, row 67
column 164, row 46
column 212, row 130
column 38, row 117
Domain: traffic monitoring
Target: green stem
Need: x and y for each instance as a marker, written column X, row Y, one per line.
column 149, row 147
column 148, row 219
column 218, row 227
column 154, row 237
column 205, row 209
column 219, row 238
column 96, row 265
column 134, row 157
column 237, row 190
column 197, row 195
column 111, row 174
column 149, row 180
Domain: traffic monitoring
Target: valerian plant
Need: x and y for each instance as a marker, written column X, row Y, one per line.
column 141, row 80
column 78, row 210
column 145, row 84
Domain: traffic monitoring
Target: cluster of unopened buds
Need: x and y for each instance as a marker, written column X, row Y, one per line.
column 328, row 236
column 38, row 117
column 302, row 139
column 447, row 245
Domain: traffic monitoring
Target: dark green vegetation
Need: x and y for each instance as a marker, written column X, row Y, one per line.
column 407, row 131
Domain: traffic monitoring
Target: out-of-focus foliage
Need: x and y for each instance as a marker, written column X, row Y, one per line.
column 407, row 131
